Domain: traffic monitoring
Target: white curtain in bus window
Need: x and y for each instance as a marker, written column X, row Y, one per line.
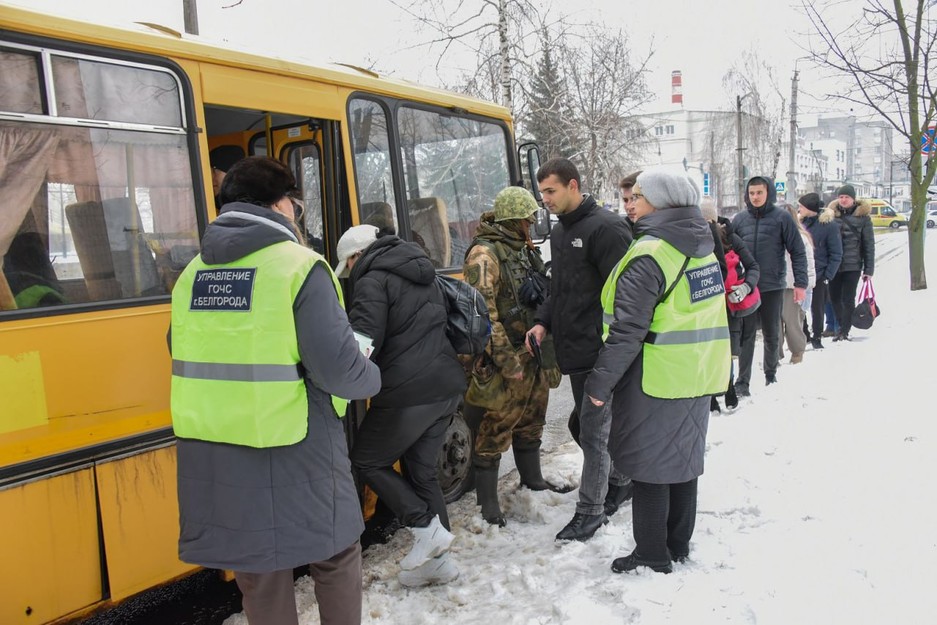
column 375, row 182
column 93, row 214
column 453, row 169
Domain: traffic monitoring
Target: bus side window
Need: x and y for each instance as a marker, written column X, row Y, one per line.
column 92, row 214
column 306, row 164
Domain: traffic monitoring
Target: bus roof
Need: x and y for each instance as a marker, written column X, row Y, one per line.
column 190, row 47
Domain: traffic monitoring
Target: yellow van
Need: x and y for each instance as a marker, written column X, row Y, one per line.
column 885, row 216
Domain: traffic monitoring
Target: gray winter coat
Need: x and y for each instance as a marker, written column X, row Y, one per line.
column 855, row 225
column 771, row 233
column 660, row 441
column 263, row 510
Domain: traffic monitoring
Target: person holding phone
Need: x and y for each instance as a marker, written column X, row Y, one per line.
column 506, row 268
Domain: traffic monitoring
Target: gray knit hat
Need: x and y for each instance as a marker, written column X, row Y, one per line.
column 663, row 188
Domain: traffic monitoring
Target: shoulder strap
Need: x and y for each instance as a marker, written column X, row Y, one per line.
column 676, row 280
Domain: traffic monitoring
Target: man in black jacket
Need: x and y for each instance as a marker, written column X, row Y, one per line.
column 769, row 233
column 585, row 246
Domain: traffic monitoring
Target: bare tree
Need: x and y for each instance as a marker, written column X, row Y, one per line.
column 754, row 80
column 605, row 89
column 506, row 28
column 890, row 54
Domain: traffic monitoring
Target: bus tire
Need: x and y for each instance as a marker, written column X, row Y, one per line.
column 454, row 465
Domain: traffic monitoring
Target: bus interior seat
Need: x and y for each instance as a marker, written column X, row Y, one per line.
column 429, row 221
column 379, row 214
column 114, row 256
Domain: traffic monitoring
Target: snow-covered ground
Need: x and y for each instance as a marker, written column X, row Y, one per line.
column 818, row 506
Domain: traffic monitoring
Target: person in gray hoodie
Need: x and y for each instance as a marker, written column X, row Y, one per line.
column 261, row 511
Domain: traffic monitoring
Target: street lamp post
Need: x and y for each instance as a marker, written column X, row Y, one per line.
column 739, row 148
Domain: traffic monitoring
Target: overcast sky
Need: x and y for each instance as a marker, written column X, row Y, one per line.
column 702, row 39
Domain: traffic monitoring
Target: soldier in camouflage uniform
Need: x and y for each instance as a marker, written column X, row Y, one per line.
column 507, row 270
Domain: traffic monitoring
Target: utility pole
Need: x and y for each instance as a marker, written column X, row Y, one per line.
column 738, row 149
column 190, row 15
column 791, row 195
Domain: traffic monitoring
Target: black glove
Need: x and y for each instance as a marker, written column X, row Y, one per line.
column 534, row 289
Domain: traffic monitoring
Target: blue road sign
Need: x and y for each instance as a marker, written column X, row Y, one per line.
column 706, row 184
column 927, row 141
column 780, row 186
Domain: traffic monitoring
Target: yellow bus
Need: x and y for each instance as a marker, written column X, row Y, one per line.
column 105, row 188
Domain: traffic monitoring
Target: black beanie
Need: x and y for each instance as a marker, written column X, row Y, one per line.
column 847, row 189
column 811, row 202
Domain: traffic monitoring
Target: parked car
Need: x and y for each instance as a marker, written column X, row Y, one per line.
column 931, row 219
column 884, row 216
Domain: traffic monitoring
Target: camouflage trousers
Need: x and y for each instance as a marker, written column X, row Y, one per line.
column 519, row 420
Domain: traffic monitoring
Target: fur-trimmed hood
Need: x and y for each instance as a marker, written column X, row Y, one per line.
column 826, row 215
column 863, row 208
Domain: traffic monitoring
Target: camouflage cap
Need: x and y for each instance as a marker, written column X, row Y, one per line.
column 514, row 203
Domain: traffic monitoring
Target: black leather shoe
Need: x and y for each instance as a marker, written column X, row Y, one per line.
column 631, row 562
column 616, row 496
column 817, row 343
column 582, row 527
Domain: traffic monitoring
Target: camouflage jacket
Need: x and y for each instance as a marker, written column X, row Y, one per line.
column 497, row 264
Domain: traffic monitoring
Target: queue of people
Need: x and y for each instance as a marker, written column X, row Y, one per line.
column 646, row 315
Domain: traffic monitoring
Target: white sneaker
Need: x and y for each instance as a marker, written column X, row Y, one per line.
column 439, row 570
column 429, row 542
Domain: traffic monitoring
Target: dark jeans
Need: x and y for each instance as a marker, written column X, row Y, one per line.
column 769, row 313
column 413, row 434
column 269, row 598
column 843, row 296
column 664, row 519
column 818, row 307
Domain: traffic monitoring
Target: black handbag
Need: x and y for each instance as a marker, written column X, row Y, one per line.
column 867, row 309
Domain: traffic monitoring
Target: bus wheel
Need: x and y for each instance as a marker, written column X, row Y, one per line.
column 454, row 466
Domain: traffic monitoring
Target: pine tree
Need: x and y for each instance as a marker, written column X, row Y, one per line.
column 548, row 119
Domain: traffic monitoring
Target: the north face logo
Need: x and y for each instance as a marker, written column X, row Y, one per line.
column 577, row 242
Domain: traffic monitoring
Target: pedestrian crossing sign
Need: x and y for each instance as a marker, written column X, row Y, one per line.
column 780, row 186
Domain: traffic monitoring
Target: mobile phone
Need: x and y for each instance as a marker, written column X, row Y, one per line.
column 535, row 348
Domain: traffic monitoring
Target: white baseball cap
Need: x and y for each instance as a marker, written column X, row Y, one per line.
column 355, row 239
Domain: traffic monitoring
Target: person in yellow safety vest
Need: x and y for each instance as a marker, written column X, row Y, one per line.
column 262, row 353
column 666, row 352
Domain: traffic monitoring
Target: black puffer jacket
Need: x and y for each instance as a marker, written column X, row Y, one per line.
column 397, row 304
column 855, row 225
column 585, row 246
column 770, row 233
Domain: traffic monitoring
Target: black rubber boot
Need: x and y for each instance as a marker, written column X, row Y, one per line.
column 527, row 460
column 486, row 491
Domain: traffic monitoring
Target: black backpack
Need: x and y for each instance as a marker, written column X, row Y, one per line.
column 469, row 324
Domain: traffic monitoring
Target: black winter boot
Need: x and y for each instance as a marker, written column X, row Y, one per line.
column 486, row 491
column 528, row 467
column 617, row 494
column 732, row 400
column 582, row 526
column 714, row 405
